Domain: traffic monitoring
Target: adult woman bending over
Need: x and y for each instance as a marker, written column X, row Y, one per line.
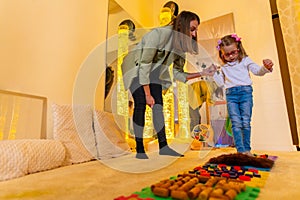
column 146, row 73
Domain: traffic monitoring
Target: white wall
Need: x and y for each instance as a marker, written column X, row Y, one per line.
column 44, row 43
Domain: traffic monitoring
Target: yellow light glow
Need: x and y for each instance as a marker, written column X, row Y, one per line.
column 122, row 95
column 165, row 16
column 3, row 112
column 14, row 120
column 183, row 110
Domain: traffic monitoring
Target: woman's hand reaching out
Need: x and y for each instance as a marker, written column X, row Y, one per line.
column 210, row 71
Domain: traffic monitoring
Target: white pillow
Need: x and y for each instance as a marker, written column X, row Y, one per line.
column 72, row 125
column 110, row 138
column 25, row 156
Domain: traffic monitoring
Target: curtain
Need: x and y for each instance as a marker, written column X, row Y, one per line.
column 289, row 15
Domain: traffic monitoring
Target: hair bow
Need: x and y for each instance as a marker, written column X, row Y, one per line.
column 237, row 38
column 218, row 46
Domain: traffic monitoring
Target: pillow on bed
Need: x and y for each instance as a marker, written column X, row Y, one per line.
column 25, row 156
column 72, row 125
column 110, row 138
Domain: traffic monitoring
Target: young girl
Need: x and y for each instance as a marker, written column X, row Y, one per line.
column 235, row 76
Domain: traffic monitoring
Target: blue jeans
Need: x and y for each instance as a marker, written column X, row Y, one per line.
column 239, row 104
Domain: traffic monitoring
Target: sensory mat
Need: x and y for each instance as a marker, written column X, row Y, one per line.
column 211, row 181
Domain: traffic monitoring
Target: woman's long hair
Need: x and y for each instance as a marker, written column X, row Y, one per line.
column 181, row 27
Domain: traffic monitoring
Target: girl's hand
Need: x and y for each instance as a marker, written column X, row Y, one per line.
column 268, row 64
column 210, row 71
column 150, row 101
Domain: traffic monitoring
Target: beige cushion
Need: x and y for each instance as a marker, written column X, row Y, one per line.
column 72, row 125
column 109, row 137
column 25, row 156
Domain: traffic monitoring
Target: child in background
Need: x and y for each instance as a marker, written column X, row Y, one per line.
column 235, row 77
